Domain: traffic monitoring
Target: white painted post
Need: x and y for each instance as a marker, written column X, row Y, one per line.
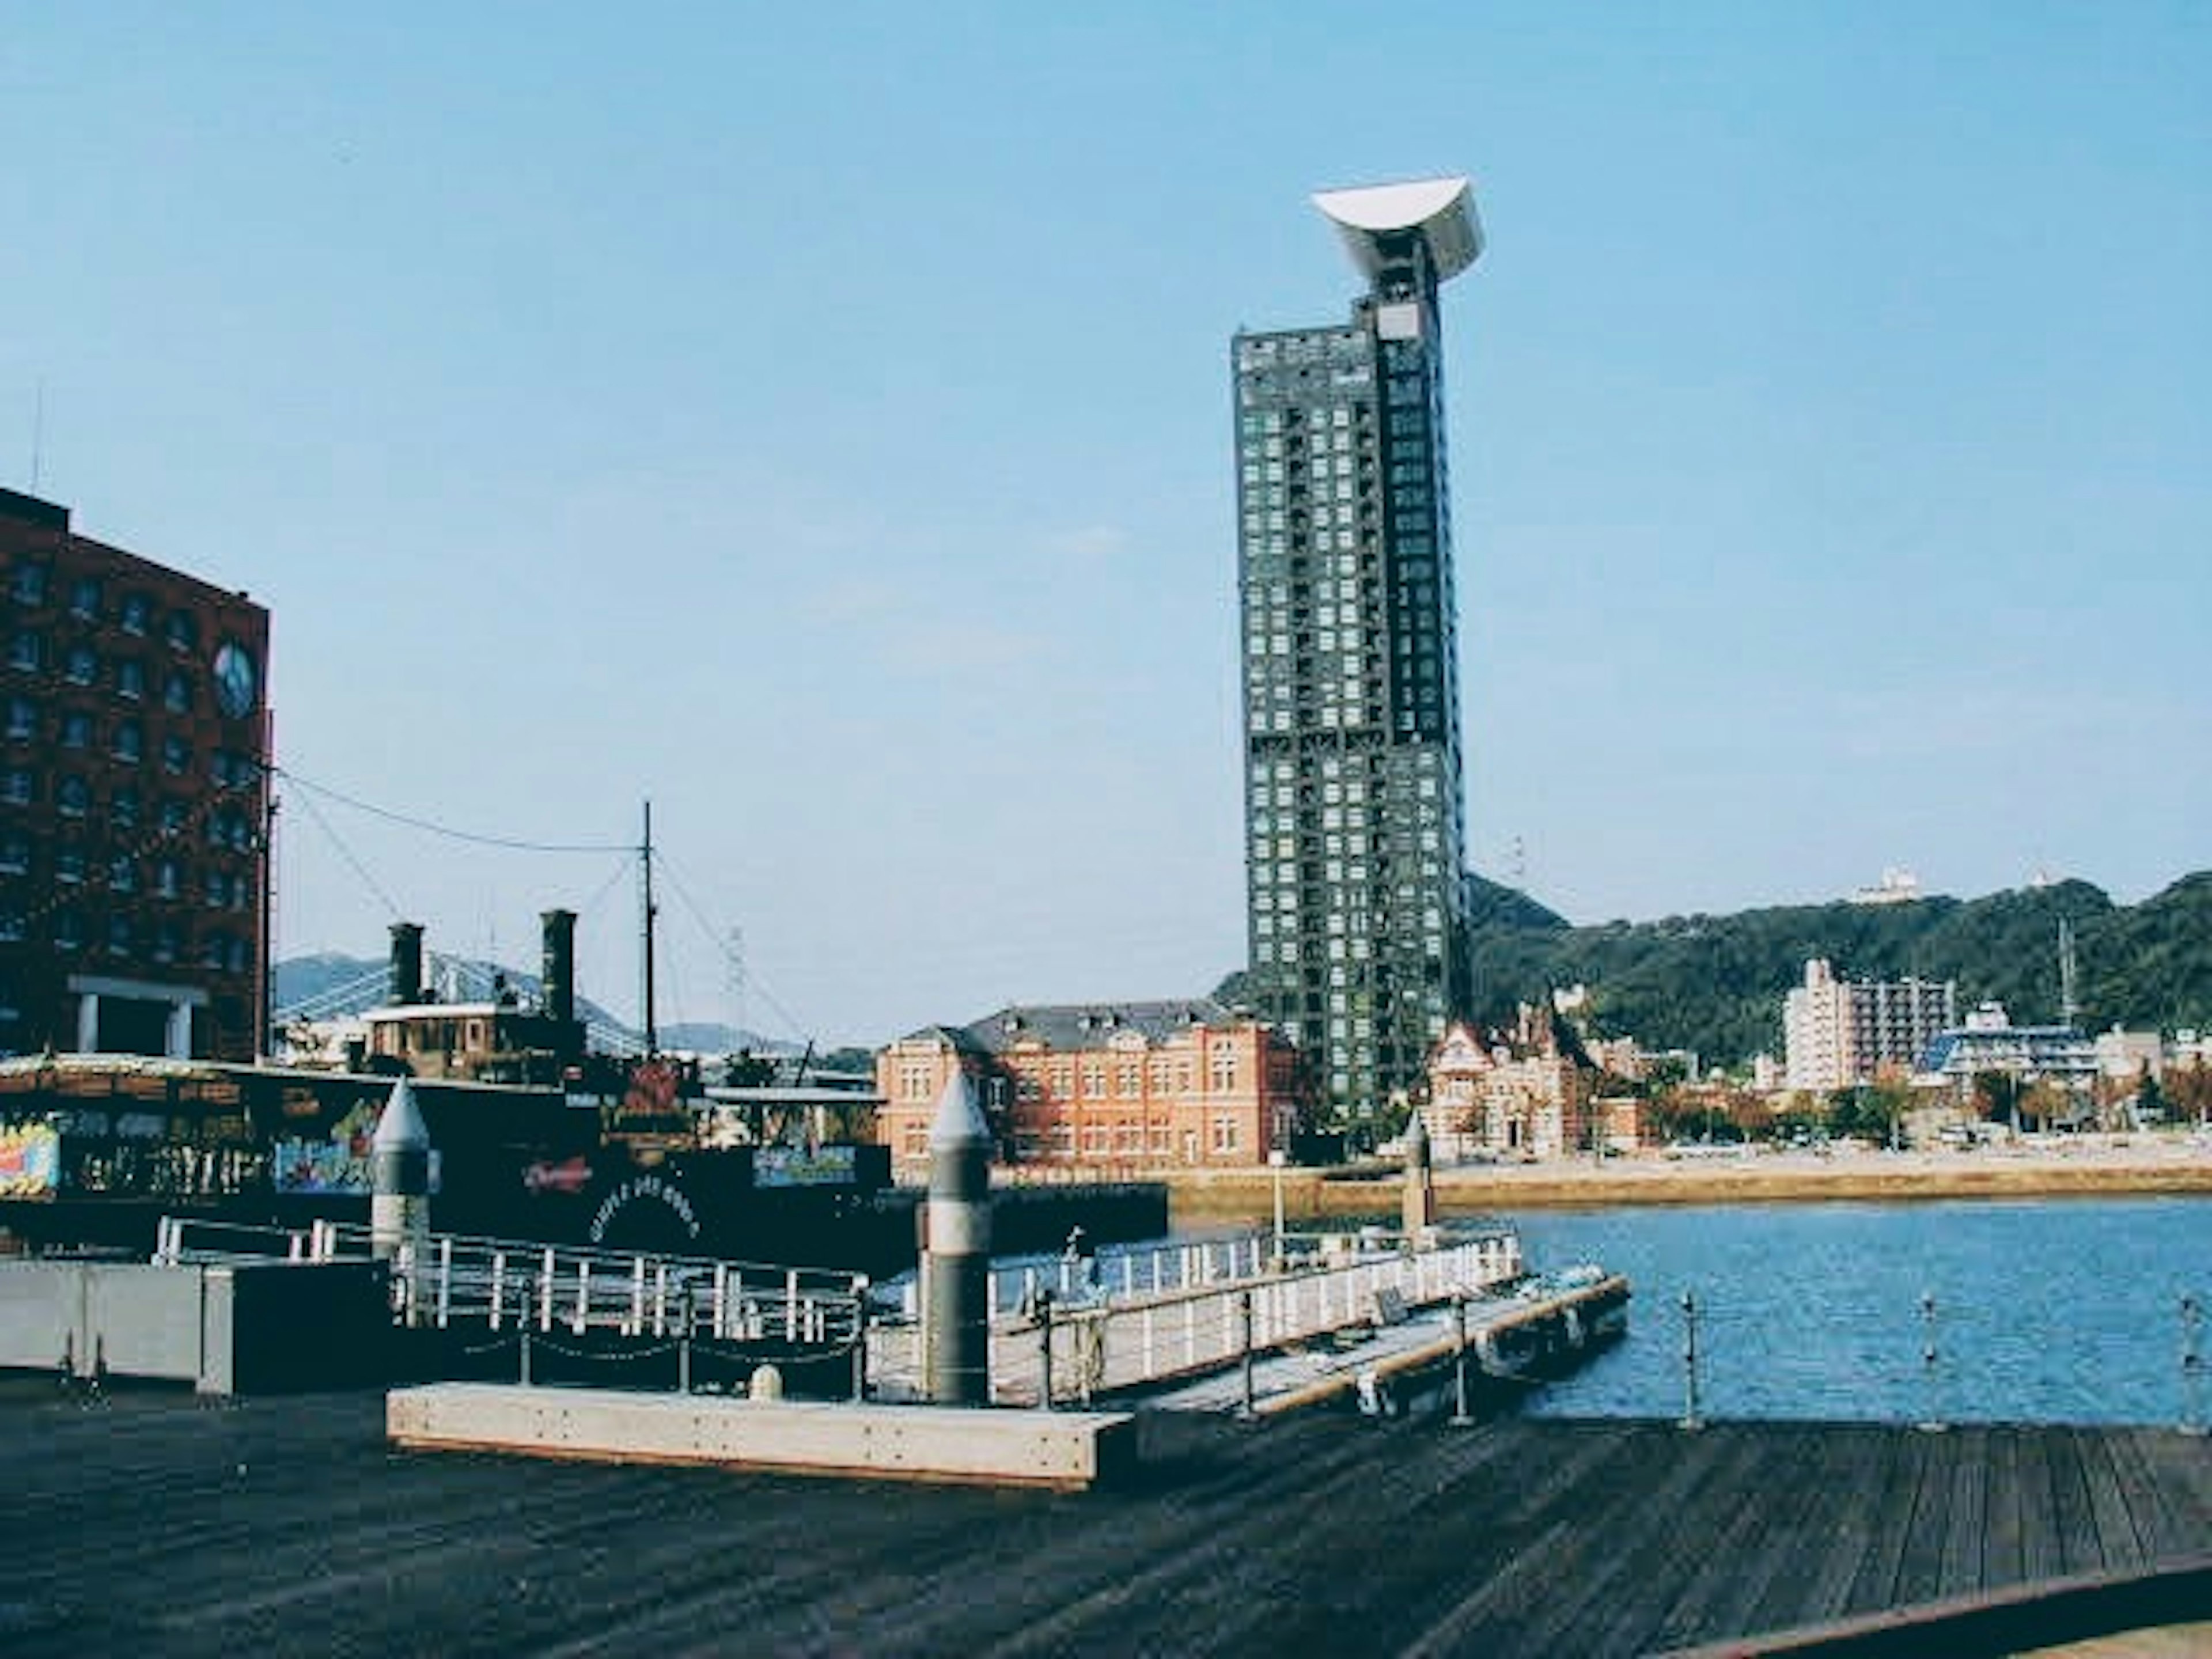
column 583, row 1296
column 634, row 1324
column 546, row 1292
column 445, row 1281
column 661, row 1303
column 498, row 1285
column 791, row 1305
column 1145, row 1339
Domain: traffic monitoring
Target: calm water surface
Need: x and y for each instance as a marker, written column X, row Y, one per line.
column 2061, row 1310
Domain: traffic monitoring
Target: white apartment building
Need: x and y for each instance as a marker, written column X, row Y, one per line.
column 1837, row 1033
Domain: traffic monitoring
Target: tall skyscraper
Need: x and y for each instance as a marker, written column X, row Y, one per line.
column 1354, row 814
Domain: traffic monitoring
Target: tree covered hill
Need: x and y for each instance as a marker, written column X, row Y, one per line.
column 1715, row 983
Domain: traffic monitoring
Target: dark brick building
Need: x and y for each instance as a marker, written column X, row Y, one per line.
column 134, row 800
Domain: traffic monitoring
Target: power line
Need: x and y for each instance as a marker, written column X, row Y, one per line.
column 509, row 844
column 791, row 1023
column 347, row 853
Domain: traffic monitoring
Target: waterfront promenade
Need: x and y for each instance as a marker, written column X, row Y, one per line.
column 2106, row 1166
column 155, row 1524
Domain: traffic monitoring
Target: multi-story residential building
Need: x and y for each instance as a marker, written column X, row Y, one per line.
column 1837, row 1033
column 1990, row 1041
column 1130, row 1083
column 1354, row 812
column 134, row 800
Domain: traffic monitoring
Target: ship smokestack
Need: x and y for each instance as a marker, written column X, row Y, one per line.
column 406, row 982
column 557, row 967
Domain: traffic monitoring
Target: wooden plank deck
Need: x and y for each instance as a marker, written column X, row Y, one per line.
column 156, row 1524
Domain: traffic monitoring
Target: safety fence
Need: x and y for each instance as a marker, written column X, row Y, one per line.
column 1052, row 1350
column 494, row 1286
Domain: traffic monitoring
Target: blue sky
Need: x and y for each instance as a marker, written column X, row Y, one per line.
column 818, row 424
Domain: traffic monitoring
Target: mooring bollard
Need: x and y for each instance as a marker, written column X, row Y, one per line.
column 1044, row 1301
column 859, row 1338
column 1932, row 1421
column 1244, row 1316
column 2192, row 1367
column 684, row 1346
column 1461, row 1417
column 1690, row 1419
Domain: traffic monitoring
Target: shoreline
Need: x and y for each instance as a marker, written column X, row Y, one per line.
column 2121, row 1166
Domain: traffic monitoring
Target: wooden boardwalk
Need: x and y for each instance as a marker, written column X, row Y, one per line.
column 154, row 1524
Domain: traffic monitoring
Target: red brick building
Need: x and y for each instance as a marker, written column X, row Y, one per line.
column 1129, row 1084
column 134, row 800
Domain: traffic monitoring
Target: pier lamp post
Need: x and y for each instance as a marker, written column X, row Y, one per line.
column 1275, row 1161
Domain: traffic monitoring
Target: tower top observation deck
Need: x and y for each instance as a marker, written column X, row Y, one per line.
column 1374, row 220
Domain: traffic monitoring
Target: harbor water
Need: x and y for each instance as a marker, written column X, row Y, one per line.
column 2067, row 1311
column 2056, row 1310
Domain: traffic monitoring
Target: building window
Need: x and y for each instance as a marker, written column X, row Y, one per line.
column 69, row 866
column 73, row 796
column 130, row 740
column 76, row 731
column 123, row 808
column 176, row 758
column 27, row 651
column 122, row 874
column 137, row 610
column 15, row 856
column 180, row 630
column 23, row 719
column 130, row 678
column 83, row 666
column 119, row 942
column 84, row 599
column 17, row 787
column 177, row 692
column 69, row 929
column 30, row 584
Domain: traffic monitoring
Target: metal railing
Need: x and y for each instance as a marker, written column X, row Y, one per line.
column 1058, row 1352
column 504, row 1284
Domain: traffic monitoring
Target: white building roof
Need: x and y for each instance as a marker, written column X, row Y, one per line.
column 1441, row 209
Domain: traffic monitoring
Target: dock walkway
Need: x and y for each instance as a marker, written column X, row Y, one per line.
column 155, row 1524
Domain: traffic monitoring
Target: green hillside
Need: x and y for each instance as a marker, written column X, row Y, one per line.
column 1715, row 983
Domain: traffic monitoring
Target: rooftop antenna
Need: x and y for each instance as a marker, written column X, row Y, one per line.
column 2069, row 1009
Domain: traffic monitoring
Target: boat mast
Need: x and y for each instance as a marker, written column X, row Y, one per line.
column 645, row 863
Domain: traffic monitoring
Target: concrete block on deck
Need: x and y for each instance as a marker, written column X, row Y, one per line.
column 1066, row 1450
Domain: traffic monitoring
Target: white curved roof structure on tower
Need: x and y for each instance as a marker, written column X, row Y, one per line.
column 1441, row 209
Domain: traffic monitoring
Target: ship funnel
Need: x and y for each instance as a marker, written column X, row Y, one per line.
column 557, row 967
column 406, row 981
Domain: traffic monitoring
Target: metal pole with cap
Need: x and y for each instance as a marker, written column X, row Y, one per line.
column 956, row 1334
column 399, row 1189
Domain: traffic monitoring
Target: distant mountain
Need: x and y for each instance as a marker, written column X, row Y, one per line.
column 1715, row 983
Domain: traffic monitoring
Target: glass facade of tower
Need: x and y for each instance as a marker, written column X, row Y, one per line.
column 1352, row 788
